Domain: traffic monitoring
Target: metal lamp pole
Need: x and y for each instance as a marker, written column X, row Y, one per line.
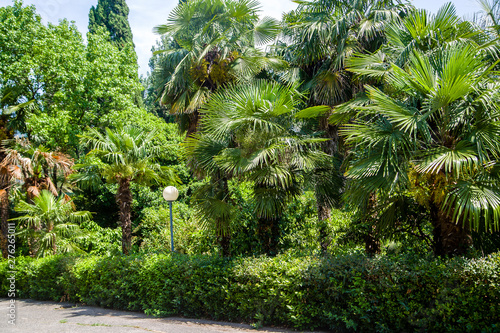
column 170, row 194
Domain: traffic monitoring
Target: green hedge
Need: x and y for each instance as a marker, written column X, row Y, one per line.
column 345, row 293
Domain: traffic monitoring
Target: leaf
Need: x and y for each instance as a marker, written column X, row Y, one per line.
column 313, row 112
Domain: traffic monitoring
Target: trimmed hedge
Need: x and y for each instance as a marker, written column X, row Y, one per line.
column 345, row 293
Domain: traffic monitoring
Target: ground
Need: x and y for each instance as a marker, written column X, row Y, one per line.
column 54, row 317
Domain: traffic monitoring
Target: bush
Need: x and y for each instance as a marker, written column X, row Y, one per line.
column 348, row 292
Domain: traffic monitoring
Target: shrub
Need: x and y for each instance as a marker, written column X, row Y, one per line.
column 348, row 292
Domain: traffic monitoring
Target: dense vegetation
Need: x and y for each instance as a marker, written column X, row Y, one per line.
column 348, row 127
column 343, row 293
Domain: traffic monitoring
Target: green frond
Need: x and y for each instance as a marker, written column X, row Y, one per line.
column 474, row 203
column 456, row 161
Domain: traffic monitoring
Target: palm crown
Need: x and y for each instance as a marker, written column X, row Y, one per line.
column 433, row 132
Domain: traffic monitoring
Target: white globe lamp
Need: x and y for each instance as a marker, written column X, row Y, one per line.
column 170, row 194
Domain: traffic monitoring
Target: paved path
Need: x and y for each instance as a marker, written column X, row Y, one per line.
column 52, row 317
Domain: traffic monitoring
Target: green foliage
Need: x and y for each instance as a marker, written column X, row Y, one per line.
column 205, row 46
column 113, row 16
column 69, row 81
column 99, row 240
column 348, row 292
column 126, row 153
column 50, row 224
column 189, row 236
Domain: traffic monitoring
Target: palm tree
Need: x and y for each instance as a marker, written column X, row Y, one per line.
column 433, row 134
column 421, row 31
column 36, row 168
column 123, row 156
column 489, row 16
column 254, row 126
column 320, row 37
column 10, row 107
column 48, row 221
column 209, row 44
column 212, row 201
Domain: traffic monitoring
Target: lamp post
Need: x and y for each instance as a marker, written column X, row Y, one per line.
column 170, row 194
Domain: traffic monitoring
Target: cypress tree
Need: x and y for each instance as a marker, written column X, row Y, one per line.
column 113, row 16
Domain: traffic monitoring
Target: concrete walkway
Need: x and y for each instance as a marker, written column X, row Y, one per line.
column 52, row 317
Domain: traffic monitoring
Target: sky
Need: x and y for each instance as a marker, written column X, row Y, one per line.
column 146, row 14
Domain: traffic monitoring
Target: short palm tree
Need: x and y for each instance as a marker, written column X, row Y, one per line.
column 212, row 201
column 123, row 156
column 259, row 143
column 48, row 221
column 36, row 168
column 433, row 133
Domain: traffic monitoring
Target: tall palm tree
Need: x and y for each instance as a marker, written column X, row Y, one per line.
column 260, row 144
column 320, row 38
column 50, row 223
column 211, row 43
column 123, row 156
column 433, row 134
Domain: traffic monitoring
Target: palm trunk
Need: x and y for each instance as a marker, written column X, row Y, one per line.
column 371, row 238
column 193, row 123
column 372, row 242
column 268, row 231
column 449, row 238
column 329, row 147
column 224, row 236
column 124, row 201
column 324, row 214
column 4, row 218
column 224, row 241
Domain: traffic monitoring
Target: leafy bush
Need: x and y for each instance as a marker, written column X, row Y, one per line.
column 348, row 292
column 189, row 238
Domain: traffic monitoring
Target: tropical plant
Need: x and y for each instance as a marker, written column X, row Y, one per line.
column 50, row 224
column 209, row 44
column 37, row 167
column 320, row 37
column 423, row 31
column 249, row 128
column 123, row 156
column 7, row 172
column 432, row 134
column 212, row 201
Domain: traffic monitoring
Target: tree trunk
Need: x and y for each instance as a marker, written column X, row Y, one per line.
column 268, row 232
column 450, row 238
column 223, row 227
column 329, row 147
column 224, row 241
column 4, row 220
column 193, row 123
column 372, row 240
column 124, row 201
column 324, row 214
